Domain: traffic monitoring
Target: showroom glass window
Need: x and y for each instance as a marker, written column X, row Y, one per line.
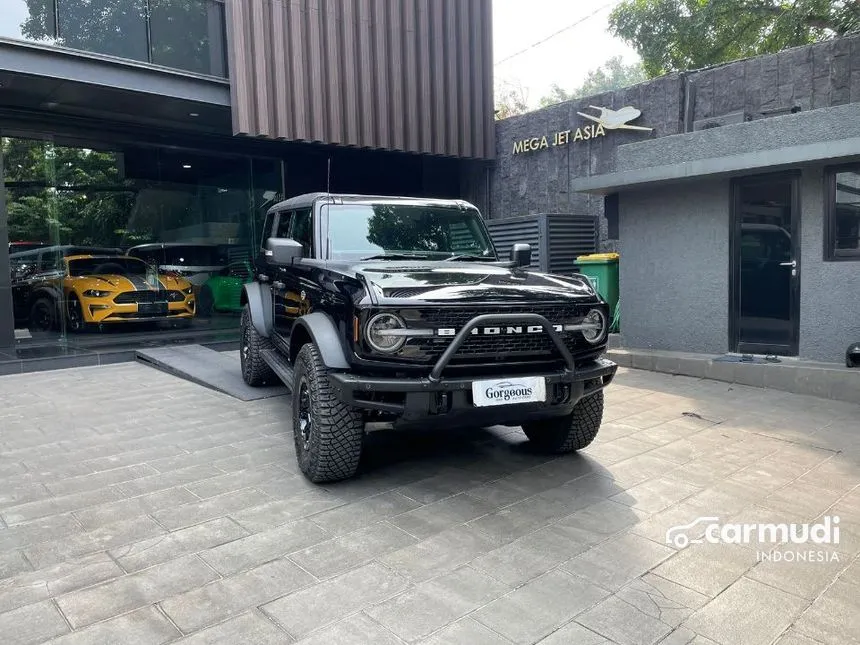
column 842, row 214
column 182, row 34
column 186, row 214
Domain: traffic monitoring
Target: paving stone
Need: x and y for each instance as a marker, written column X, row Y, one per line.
column 211, row 508
column 656, row 495
column 833, row 618
column 340, row 554
column 604, row 518
column 34, row 586
column 440, row 553
column 13, row 563
column 467, row 630
column 109, row 599
column 707, row 568
column 347, row 518
column 793, row 637
column 684, row 636
column 623, row 623
column 662, row 599
column 100, row 479
column 204, row 606
column 56, row 505
column 806, row 579
column 145, row 626
column 169, row 479
column 573, row 632
column 237, row 481
column 32, row 624
column 531, row 556
column 420, row 611
column 14, row 494
column 449, row 482
column 273, row 514
column 326, row 602
column 355, row 630
column 258, row 548
column 146, row 553
column 249, row 629
column 614, row 563
column 759, row 614
column 539, row 607
column 438, row 516
column 103, row 514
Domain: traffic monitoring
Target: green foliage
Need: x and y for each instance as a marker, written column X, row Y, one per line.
column 677, row 35
column 612, row 75
column 510, row 100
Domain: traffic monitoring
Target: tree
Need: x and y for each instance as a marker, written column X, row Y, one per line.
column 677, row 35
column 511, row 99
column 612, row 75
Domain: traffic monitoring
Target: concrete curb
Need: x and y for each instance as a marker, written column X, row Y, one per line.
column 824, row 380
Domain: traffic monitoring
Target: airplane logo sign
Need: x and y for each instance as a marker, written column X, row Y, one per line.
column 606, row 119
column 616, row 119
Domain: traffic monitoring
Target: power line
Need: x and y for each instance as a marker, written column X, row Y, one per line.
column 554, row 34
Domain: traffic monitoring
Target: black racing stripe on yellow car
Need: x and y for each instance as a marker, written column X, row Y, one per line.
column 139, row 283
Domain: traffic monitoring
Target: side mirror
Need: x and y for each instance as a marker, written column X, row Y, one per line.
column 521, row 254
column 283, row 251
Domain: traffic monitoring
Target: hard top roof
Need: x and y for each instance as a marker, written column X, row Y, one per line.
column 308, row 199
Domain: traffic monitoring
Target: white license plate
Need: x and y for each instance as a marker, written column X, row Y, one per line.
column 509, row 391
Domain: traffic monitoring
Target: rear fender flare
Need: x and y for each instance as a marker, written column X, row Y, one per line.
column 324, row 334
column 258, row 297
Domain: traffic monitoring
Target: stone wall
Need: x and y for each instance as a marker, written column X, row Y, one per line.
column 800, row 79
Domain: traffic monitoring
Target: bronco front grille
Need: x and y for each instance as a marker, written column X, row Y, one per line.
column 497, row 348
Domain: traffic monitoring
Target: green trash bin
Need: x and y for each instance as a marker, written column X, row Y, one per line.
column 602, row 270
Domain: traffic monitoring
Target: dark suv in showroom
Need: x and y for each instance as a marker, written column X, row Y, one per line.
column 392, row 309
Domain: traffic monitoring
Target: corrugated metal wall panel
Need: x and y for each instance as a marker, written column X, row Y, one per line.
column 569, row 236
column 412, row 75
column 507, row 232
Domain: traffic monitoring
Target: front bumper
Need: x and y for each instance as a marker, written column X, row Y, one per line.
column 449, row 400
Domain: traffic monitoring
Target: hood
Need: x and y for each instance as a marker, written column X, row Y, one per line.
column 465, row 281
column 112, row 282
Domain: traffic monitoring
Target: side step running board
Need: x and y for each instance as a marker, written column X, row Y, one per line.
column 279, row 366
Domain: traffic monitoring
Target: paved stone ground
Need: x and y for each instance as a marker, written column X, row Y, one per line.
column 138, row 508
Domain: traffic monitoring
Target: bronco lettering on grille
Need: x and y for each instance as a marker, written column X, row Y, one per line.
column 497, row 331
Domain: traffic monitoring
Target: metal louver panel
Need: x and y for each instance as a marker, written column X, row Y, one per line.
column 509, row 231
column 569, row 236
column 556, row 238
column 411, row 75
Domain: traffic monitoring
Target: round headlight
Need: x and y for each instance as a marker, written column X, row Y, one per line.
column 596, row 326
column 379, row 333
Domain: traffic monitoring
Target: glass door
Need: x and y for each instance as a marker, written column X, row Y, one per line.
column 765, row 273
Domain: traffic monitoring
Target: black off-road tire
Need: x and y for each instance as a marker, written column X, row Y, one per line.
column 569, row 433
column 255, row 371
column 44, row 316
column 328, row 448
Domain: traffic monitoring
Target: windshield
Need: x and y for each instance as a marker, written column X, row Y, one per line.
column 106, row 265
column 363, row 230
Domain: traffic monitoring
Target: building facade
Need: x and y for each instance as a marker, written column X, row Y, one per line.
column 731, row 193
column 163, row 130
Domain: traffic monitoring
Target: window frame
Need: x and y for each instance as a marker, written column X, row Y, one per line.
column 831, row 253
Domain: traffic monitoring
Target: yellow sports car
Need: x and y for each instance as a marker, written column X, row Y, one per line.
column 116, row 289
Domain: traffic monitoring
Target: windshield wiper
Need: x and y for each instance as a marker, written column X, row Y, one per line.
column 394, row 256
column 467, row 256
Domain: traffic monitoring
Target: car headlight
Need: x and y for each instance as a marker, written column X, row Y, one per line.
column 381, row 333
column 96, row 293
column 594, row 326
column 188, row 290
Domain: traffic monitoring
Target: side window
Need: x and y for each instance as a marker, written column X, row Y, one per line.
column 301, row 230
column 283, row 226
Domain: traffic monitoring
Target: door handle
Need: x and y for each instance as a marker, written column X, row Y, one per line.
column 792, row 264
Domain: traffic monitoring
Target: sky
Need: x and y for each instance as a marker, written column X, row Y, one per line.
column 566, row 58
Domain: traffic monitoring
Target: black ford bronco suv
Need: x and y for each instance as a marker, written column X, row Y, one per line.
column 375, row 309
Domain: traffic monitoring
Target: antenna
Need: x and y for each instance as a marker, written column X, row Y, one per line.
column 328, row 177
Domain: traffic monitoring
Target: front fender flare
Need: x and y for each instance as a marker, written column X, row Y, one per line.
column 322, row 330
column 259, row 299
